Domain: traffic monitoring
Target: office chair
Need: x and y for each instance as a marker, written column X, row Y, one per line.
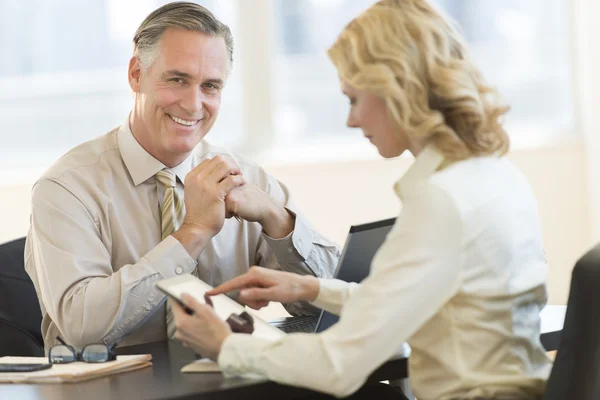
column 20, row 316
column 576, row 370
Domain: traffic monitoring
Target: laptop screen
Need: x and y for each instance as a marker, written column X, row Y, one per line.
column 362, row 243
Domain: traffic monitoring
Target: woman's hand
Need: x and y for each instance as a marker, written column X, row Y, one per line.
column 260, row 285
column 203, row 331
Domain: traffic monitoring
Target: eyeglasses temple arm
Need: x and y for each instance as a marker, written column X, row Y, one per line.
column 60, row 340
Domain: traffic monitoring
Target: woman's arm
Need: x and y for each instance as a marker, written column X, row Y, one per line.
column 414, row 274
column 259, row 286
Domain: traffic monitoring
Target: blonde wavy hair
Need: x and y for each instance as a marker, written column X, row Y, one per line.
column 406, row 52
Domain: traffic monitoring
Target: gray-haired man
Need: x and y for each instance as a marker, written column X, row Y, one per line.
column 108, row 219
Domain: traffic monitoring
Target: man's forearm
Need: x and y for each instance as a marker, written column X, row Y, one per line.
column 127, row 310
column 193, row 239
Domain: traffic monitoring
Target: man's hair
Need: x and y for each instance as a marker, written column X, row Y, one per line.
column 182, row 15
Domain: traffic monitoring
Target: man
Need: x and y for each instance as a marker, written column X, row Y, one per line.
column 107, row 219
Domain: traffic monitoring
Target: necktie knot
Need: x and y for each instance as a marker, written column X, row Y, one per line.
column 167, row 178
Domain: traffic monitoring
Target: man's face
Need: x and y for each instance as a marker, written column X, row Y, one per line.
column 178, row 97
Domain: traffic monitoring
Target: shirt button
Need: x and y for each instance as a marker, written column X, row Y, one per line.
column 290, row 250
column 178, row 270
column 148, row 307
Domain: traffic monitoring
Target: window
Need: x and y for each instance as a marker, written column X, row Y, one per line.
column 310, row 107
column 63, row 80
column 63, row 73
column 522, row 48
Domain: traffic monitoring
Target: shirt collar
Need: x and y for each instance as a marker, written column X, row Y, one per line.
column 141, row 164
column 426, row 163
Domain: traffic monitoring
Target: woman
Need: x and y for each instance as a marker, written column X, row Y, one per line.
column 460, row 276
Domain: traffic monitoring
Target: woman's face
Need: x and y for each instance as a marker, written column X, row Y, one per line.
column 370, row 113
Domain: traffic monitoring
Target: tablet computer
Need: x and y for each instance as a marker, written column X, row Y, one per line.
column 223, row 305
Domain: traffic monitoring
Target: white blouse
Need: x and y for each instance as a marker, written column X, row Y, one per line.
column 461, row 277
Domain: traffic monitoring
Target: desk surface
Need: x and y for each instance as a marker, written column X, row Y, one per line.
column 164, row 381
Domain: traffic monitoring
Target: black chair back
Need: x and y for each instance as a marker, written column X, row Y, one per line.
column 576, row 370
column 20, row 316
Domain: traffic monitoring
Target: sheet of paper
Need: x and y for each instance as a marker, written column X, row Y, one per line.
column 201, row 366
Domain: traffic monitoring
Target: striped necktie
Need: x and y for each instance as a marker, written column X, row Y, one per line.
column 172, row 213
column 173, row 209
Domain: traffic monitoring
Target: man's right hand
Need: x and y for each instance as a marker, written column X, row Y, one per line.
column 206, row 187
column 260, row 285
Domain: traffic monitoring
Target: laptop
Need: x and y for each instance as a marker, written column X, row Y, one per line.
column 362, row 243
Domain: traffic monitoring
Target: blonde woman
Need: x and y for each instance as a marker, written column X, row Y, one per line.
column 461, row 276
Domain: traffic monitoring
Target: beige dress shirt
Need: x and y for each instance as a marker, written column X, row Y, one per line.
column 94, row 248
column 461, row 277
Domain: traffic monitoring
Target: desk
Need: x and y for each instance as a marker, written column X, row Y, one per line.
column 164, row 381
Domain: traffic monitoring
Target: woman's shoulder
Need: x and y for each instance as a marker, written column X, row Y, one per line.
column 481, row 180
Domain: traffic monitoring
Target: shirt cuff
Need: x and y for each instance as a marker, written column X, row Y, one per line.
column 240, row 354
column 170, row 258
column 297, row 243
column 331, row 294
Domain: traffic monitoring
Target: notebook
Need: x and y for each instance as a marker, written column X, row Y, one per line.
column 72, row 372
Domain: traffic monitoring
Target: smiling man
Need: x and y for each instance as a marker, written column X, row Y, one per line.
column 151, row 199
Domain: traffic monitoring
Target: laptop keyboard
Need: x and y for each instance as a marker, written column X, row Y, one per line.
column 300, row 324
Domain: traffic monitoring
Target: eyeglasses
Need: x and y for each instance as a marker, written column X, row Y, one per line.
column 91, row 353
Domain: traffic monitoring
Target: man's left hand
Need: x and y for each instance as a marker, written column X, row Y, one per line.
column 253, row 204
